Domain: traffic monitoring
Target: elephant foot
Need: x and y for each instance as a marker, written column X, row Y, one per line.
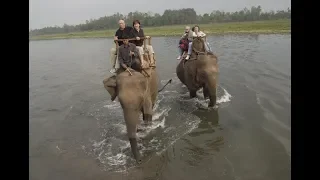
column 113, row 97
column 213, row 101
column 134, row 149
column 212, row 104
column 205, row 93
column 147, row 118
column 193, row 94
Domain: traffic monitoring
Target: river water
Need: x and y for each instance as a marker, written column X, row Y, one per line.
column 76, row 132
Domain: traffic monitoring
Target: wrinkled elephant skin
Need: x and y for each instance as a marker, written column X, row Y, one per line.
column 137, row 94
column 200, row 73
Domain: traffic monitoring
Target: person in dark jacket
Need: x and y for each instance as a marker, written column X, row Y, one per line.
column 120, row 33
column 183, row 46
column 138, row 33
column 187, row 35
column 128, row 54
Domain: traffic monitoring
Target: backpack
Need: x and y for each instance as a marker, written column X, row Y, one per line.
column 183, row 44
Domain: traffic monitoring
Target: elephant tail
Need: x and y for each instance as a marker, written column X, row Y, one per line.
column 165, row 85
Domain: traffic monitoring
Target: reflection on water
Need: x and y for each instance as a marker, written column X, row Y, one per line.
column 76, row 132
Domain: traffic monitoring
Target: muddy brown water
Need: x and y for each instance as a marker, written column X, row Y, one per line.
column 76, row 132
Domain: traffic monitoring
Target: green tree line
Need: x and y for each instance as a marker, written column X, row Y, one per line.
column 169, row 17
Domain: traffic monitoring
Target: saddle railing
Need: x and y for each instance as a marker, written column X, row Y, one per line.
column 132, row 39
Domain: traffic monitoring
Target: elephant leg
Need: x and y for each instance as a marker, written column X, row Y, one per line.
column 132, row 118
column 139, row 129
column 147, row 111
column 153, row 100
column 213, row 101
column 205, row 92
column 192, row 93
column 212, row 89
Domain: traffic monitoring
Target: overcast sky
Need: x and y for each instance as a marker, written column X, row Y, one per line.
column 57, row 12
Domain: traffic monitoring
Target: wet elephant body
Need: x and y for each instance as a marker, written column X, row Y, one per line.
column 200, row 71
column 137, row 94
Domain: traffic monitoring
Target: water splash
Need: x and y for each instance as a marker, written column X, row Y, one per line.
column 113, row 149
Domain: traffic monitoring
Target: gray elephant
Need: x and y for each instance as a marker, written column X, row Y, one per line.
column 137, row 93
column 200, row 71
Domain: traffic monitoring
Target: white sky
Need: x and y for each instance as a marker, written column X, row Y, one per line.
column 57, row 12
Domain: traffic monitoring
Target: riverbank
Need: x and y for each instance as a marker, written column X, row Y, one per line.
column 253, row 27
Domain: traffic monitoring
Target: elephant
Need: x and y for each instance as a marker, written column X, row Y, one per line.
column 200, row 71
column 137, row 93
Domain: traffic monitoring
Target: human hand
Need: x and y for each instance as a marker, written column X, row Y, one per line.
column 115, row 38
column 138, row 38
column 124, row 66
column 131, row 53
column 147, row 37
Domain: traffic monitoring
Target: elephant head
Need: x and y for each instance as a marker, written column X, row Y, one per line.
column 198, row 44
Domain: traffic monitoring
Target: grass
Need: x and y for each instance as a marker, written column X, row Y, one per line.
column 254, row 27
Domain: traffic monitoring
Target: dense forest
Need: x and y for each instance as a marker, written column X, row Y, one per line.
column 169, row 17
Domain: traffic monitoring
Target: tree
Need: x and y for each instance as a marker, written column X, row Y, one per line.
column 169, row 17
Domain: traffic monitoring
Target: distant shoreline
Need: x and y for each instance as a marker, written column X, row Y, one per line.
column 282, row 26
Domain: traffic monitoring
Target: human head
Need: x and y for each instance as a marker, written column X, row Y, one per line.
column 196, row 28
column 122, row 24
column 125, row 39
column 187, row 29
column 136, row 24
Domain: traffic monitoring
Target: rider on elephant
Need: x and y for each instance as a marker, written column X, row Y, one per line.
column 197, row 33
column 184, row 41
column 137, row 32
column 128, row 56
column 122, row 31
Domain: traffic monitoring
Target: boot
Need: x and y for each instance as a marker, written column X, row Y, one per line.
column 152, row 60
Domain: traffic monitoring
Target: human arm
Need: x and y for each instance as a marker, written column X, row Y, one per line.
column 139, row 34
column 194, row 34
column 202, row 34
column 134, row 50
column 190, row 36
column 132, row 34
column 116, row 36
column 120, row 58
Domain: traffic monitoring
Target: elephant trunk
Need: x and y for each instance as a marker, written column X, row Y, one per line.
column 134, row 149
column 211, row 86
column 131, row 118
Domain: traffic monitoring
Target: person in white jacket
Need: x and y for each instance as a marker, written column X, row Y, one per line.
column 197, row 33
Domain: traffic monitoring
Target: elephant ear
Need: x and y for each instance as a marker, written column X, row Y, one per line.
column 110, row 81
column 110, row 86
